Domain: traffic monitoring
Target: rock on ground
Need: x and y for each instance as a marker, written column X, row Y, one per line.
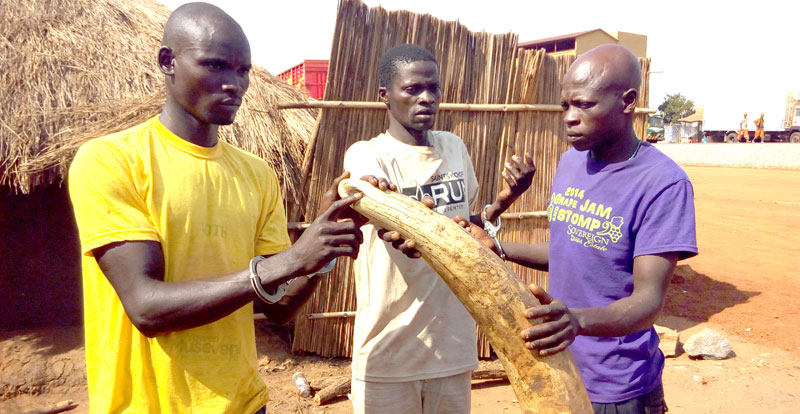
column 708, row 344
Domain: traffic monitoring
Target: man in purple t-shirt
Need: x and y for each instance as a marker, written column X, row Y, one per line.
column 621, row 215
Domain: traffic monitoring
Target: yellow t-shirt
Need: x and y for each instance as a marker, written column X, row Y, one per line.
column 212, row 210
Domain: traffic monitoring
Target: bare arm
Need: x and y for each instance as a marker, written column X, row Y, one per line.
column 637, row 312
column 536, row 256
column 518, row 176
column 136, row 271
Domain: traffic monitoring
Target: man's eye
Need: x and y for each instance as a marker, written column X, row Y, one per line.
column 214, row 65
column 413, row 90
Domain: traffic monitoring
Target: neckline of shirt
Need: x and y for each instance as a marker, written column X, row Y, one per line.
column 183, row 145
column 430, row 149
column 641, row 149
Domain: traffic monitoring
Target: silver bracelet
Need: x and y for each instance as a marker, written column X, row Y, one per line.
column 262, row 294
column 280, row 292
column 492, row 229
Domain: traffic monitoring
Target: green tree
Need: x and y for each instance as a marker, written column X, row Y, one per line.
column 675, row 107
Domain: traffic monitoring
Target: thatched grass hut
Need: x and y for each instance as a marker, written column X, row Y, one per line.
column 72, row 70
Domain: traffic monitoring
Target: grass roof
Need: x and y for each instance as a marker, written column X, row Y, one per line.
column 71, row 70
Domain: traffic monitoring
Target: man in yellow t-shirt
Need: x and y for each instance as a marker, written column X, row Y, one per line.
column 169, row 220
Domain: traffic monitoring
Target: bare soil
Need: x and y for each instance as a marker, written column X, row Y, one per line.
column 744, row 284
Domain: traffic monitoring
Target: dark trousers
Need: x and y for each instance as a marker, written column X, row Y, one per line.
column 262, row 410
column 650, row 403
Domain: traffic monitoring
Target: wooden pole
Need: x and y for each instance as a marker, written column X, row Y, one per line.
column 300, row 226
column 341, row 387
column 330, row 392
column 468, row 107
column 489, row 374
column 523, row 215
column 329, row 315
column 55, row 408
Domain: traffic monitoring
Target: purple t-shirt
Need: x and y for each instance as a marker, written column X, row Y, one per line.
column 601, row 217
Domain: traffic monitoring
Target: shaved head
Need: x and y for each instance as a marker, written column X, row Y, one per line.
column 606, row 67
column 599, row 95
column 205, row 56
column 197, row 22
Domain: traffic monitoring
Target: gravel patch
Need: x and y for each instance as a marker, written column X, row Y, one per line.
column 769, row 155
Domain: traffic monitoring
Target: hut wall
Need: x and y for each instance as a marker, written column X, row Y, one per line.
column 477, row 68
column 40, row 275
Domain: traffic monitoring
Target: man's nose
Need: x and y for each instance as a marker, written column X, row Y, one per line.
column 428, row 96
column 570, row 118
column 236, row 84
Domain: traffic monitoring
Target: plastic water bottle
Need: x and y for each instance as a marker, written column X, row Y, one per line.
column 303, row 389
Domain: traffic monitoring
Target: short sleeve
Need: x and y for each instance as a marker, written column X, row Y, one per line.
column 360, row 160
column 669, row 223
column 273, row 236
column 108, row 208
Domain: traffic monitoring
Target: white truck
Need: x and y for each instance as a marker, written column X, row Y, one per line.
column 722, row 124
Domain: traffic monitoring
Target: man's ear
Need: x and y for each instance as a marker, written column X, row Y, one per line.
column 382, row 94
column 629, row 99
column 166, row 60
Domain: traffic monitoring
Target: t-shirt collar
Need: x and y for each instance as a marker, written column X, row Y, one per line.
column 183, row 145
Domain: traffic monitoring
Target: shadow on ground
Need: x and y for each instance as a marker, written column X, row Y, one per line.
column 696, row 297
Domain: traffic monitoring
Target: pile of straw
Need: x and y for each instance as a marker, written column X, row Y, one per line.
column 72, row 70
column 475, row 68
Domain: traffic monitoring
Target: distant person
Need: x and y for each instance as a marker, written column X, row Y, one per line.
column 414, row 342
column 759, row 123
column 621, row 214
column 744, row 133
column 180, row 234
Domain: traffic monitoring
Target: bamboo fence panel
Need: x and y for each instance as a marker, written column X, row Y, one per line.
column 475, row 68
column 640, row 121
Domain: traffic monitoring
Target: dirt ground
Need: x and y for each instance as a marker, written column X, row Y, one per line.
column 743, row 284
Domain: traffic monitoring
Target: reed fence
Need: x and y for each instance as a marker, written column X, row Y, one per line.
column 483, row 77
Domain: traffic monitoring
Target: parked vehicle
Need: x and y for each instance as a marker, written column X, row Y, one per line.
column 723, row 126
column 655, row 127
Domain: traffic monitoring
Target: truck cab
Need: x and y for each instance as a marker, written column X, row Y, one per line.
column 792, row 125
column 655, row 127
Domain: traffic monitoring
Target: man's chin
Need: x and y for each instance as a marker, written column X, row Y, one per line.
column 223, row 120
column 422, row 126
column 579, row 144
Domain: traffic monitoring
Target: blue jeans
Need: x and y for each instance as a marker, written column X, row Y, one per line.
column 650, row 403
column 262, row 410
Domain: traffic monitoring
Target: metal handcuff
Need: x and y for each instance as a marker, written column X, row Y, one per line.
column 280, row 292
column 492, row 229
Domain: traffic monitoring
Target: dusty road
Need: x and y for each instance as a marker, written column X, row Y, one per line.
column 744, row 284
